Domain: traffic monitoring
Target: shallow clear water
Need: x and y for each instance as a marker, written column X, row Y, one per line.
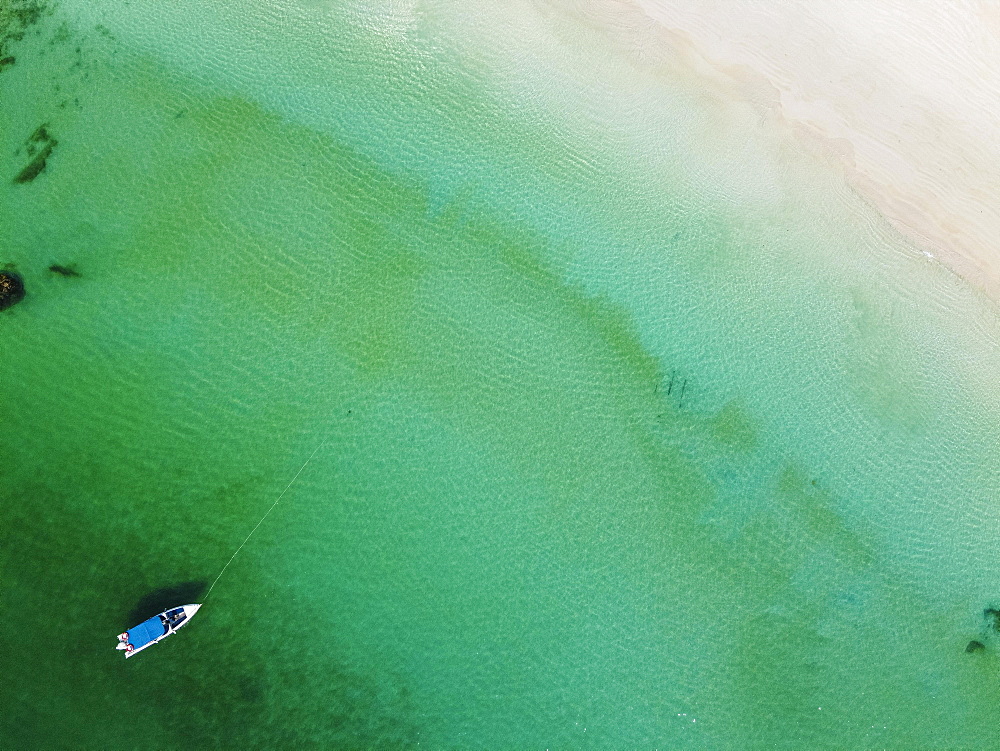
column 640, row 430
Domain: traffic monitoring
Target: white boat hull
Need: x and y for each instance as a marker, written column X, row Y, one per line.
column 170, row 621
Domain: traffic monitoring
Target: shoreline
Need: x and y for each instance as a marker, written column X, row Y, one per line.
column 895, row 96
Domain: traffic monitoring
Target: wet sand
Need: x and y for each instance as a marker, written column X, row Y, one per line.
column 900, row 96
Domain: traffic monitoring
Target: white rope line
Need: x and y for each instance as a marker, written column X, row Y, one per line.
column 315, row 451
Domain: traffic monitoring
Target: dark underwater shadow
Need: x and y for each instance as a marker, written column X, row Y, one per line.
column 160, row 599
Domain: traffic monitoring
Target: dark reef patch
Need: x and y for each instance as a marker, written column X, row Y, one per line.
column 38, row 147
column 992, row 616
column 11, row 289
column 186, row 593
column 6, row 62
column 15, row 18
column 975, row 646
column 67, row 271
column 26, row 13
column 34, row 168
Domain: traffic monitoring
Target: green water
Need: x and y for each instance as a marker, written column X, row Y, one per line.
column 640, row 431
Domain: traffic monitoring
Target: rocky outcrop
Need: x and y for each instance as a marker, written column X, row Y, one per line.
column 11, row 289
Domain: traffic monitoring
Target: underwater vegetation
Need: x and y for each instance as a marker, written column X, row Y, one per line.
column 15, row 18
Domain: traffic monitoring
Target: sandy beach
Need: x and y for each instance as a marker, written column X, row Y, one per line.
column 900, row 95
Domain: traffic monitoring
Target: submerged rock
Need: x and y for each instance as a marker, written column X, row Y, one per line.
column 11, row 289
column 974, row 646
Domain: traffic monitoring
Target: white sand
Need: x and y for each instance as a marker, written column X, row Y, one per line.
column 904, row 94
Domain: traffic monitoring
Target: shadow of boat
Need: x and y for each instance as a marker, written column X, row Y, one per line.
column 164, row 598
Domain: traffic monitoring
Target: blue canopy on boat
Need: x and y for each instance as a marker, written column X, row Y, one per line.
column 146, row 632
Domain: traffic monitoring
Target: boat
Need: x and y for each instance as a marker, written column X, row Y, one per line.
column 155, row 629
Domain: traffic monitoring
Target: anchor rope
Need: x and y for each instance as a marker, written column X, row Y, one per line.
column 280, row 496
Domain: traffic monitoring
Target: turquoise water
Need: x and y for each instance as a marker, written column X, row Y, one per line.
column 640, row 430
